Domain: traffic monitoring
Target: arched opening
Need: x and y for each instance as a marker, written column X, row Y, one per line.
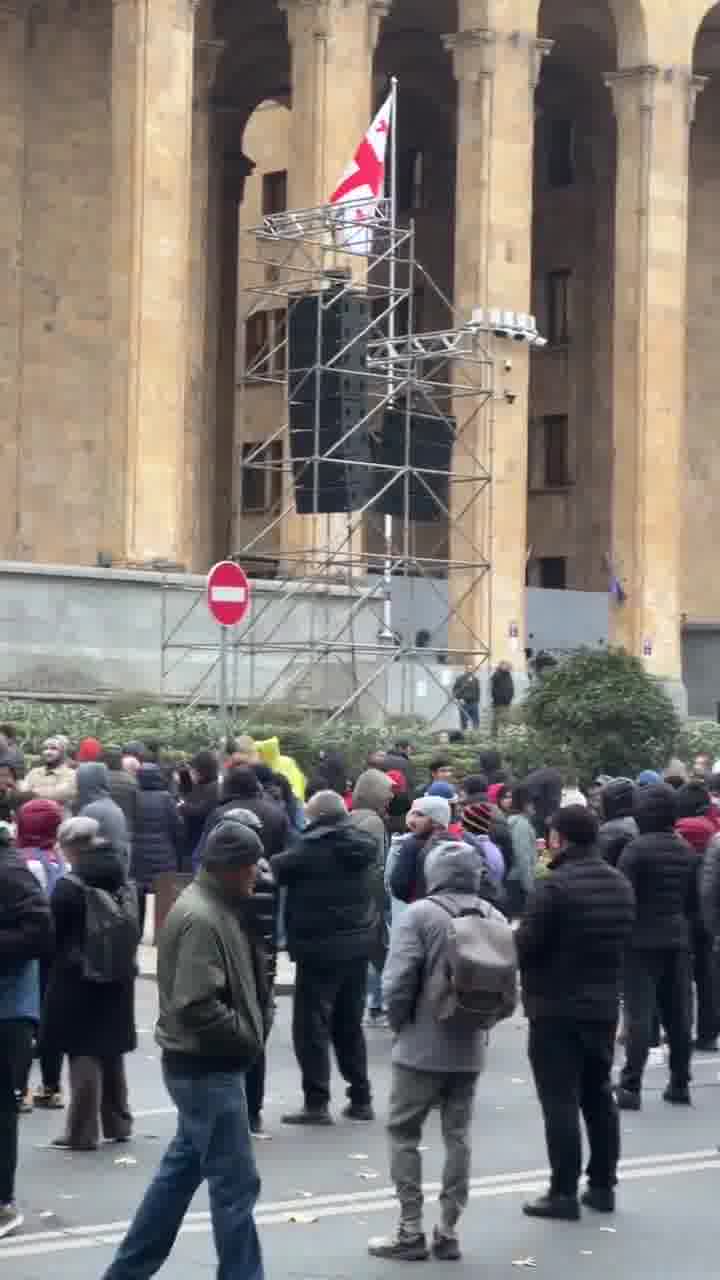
column 700, row 593
column 570, row 421
column 252, row 78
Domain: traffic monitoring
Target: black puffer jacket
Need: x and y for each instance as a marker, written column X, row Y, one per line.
column 261, row 912
column 662, row 870
column 158, row 838
column 329, row 873
column 274, row 830
column 83, row 1018
column 572, row 938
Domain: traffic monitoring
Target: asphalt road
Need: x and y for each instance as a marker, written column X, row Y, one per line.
column 335, row 1183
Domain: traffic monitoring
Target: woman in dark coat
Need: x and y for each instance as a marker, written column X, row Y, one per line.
column 158, row 839
column 92, row 1022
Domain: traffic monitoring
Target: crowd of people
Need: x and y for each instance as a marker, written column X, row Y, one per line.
column 406, row 904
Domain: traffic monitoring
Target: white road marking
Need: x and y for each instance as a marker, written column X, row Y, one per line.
column 276, row 1213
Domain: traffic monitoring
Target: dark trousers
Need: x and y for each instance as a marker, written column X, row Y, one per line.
column 328, row 1009
column 704, row 974
column 656, row 980
column 469, row 715
column 255, row 1087
column 571, row 1063
column 98, row 1094
column 16, row 1036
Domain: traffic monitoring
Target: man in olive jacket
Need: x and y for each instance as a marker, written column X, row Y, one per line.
column 211, row 1030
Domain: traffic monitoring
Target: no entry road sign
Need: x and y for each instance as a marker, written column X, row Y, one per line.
column 228, row 593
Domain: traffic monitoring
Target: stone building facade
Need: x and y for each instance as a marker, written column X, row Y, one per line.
column 561, row 160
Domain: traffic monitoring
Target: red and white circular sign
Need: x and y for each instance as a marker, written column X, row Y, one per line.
column 228, row 593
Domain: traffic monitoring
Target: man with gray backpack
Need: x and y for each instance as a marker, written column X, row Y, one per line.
column 450, row 976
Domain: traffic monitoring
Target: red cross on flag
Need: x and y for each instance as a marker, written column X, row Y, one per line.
column 363, row 183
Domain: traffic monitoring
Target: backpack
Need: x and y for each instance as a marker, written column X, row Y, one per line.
column 480, row 987
column 112, row 932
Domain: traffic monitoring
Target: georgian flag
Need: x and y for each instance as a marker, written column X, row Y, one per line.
column 363, row 183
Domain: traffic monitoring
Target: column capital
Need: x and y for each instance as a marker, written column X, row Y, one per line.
column 237, row 168
column 637, row 87
column 477, row 50
column 316, row 17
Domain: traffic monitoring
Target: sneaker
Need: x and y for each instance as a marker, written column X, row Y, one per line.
column 558, row 1208
column 627, row 1099
column 400, row 1248
column 678, row 1095
column 10, row 1219
column 359, row 1111
column 445, row 1248
column 309, row 1116
column 601, row 1199
column 49, row 1099
column 25, row 1102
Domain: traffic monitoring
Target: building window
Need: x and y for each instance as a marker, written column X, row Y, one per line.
column 266, row 344
column 558, row 307
column 553, row 573
column 557, row 471
column 261, row 481
column 411, row 180
column 560, row 143
column 274, row 192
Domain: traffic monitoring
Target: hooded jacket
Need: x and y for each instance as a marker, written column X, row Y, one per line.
column 619, row 827
column 371, row 795
column 80, row 1017
column 329, row 873
column 572, row 938
column 158, row 838
column 94, row 801
column 416, row 967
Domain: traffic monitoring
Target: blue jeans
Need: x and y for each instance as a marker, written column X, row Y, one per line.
column 469, row 715
column 212, row 1141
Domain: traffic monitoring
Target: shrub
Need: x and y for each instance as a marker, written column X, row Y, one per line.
column 601, row 712
column 699, row 736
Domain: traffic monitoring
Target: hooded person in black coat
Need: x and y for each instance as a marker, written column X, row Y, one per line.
column 662, row 870
column 92, row 1022
column 617, row 800
column 242, row 790
column 331, row 927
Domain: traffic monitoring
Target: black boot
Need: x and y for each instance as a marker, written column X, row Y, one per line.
column 309, row 1115
column 601, row 1199
column 678, row 1095
column 628, row 1100
column 559, row 1208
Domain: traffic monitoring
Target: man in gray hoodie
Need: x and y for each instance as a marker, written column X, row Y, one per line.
column 433, row 1062
column 371, row 796
column 94, row 801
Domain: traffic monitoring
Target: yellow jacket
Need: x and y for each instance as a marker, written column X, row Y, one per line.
column 269, row 752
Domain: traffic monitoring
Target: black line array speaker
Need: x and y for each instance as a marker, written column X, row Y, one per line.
column 430, row 450
column 325, row 404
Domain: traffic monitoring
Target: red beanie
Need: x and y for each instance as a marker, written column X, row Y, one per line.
column 88, row 751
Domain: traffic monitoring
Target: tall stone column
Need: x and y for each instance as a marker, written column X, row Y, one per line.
column 12, row 181
column 200, row 444
column 654, row 109
column 497, row 72
column 152, row 83
column 236, row 170
column 332, row 47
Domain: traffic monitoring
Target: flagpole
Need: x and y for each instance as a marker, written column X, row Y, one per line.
column 392, row 330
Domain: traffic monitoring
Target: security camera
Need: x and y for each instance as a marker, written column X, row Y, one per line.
column 507, row 366
column 510, row 397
